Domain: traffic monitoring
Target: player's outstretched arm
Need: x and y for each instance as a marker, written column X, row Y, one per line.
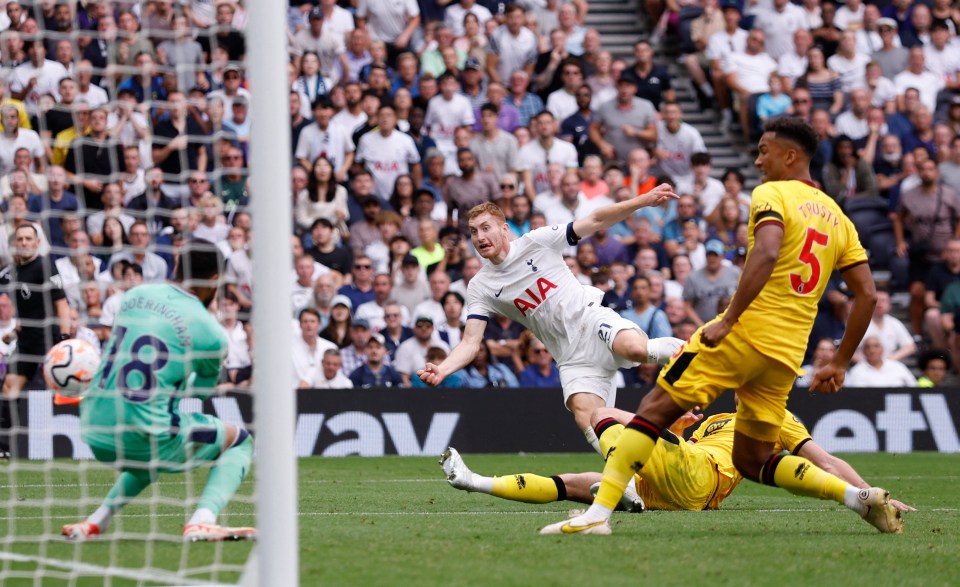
column 604, row 218
column 756, row 272
column 829, row 379
column 817, row 455
column 459, row 357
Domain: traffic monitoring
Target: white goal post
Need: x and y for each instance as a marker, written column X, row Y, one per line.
column 274, row 400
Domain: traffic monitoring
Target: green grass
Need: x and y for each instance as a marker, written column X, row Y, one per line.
column 394, row 521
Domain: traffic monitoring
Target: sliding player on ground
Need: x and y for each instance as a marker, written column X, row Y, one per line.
column 798, row 237
column 165, row 345
column 528, row 281
column 694, row 475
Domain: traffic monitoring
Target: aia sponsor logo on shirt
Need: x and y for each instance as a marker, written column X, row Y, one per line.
column 386, row 166
column 531, row 300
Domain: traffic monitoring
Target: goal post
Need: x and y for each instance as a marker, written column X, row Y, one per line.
column 273, row 395
column 52, row 483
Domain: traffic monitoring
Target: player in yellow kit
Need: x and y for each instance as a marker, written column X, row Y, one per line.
column 798, row 237
column 694, row 475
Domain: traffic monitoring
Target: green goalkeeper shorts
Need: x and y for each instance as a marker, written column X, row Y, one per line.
column 198, row 442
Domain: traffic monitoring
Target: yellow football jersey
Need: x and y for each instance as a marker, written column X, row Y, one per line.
column 817, row 239
column 700, row 474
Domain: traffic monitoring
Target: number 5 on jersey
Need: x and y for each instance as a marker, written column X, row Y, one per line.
column 807, row 257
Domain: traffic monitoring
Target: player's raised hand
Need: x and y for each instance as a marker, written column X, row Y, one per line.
column 658, row 195
column 828, row 379
column 430, row 374
column 685, row 421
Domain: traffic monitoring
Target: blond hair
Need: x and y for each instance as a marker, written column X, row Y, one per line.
column 487, row 208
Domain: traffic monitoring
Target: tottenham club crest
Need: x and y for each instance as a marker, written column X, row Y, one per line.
column 531, row 265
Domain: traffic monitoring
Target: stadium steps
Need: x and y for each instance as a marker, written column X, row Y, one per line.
column 620, row 25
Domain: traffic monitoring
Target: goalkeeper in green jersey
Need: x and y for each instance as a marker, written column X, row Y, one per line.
column 165, row 345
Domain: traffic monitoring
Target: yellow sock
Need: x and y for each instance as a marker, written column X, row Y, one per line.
column 801, row 477
column 529, row 488
column 608, row 431
column 632, row 449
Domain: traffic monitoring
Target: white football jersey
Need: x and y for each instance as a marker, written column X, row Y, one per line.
column 534, row 287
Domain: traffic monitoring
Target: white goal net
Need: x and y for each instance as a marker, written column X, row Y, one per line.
column 127, row 134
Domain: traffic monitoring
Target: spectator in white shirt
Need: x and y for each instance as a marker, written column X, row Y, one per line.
column 563, row 102
column 942, row 55
column 446, row 112
column 308, row 349
column 536, row 156
column 793, row 65
column 876, row 371
column 779, row 23
column 894, row 337
column 453, row 18
column 868, row 38
column 37, row 77
column 916, row 76
column 330, row 376
column 850, row 65
column 850, row 16
column 722, row 44
column 388, row 153
column 15, row 138
column 748, row 73
column 513, row 47
column 677, row 141
column 392, row 21
column 853, row 121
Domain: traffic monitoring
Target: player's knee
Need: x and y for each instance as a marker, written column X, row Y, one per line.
column 235, row 436
column 604, row 413
column 631, row 345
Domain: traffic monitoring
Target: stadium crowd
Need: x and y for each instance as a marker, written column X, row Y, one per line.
column 125, row 128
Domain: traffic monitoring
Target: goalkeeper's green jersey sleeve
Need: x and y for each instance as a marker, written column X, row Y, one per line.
column 165, row 345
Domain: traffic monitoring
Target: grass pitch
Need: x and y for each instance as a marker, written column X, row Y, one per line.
column 395, row 521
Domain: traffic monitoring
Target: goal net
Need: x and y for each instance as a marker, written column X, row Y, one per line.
column 127, row 134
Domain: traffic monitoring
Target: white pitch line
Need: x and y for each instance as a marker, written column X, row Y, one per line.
column 487, row 513
column 178, row 483
column 414, row 480
column 154, row 576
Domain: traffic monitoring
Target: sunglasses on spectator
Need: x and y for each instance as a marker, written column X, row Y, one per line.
column 508, row 186
column 200, row 180
column 363, row 266
column 801, row 101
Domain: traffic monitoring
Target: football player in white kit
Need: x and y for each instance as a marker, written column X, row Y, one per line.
column 528, row 281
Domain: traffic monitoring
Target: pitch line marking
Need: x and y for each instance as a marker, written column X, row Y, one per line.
column 479, row 513
column 153, row 575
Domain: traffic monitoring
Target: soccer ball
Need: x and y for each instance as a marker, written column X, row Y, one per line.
column 70, row 365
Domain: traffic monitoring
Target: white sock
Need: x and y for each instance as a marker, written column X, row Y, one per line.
column 101, row 517
column 597, row 512
column 480, row 483
column 851, row 499
column 591, row 437
column 659, row 350
column 203, row 516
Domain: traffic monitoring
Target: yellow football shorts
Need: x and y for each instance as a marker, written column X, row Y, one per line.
column 698, row 374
